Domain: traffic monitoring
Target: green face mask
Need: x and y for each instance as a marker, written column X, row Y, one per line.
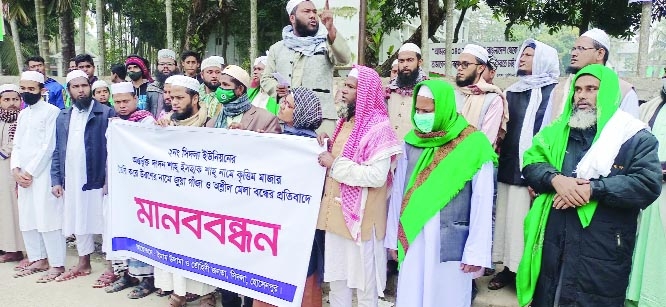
column 424, row 121
column 225, row 96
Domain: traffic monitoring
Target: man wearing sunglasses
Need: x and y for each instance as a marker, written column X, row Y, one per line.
column 483, row 105
column 593, row 47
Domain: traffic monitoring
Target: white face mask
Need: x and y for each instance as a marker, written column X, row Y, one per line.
column 424, row 121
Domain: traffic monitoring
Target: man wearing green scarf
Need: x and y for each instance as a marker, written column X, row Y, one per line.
column 440, row 212
column 595, row 167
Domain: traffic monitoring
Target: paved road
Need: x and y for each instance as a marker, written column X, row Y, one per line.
column 24, row 292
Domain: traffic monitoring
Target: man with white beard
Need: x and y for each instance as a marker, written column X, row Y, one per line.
column 594, row 169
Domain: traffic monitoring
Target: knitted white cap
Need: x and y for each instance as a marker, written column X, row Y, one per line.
column 410, row 47
column 99, row 84
column 122, row 88
column 424, row 91
column 9, row 87
column 477, row 51
column 166, row 53
column 76, row 74
column 599, row 36
column 210, row 62
column 32, row 76
column 292, row 4
column 186, row 82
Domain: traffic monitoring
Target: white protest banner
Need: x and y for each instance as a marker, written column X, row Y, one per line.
column 229, row 208
column 504, row 53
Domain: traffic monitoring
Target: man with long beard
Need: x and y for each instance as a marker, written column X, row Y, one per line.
column 187, row 111
column 40, row 213
column 78, row 170
column 483, row 105
column 306, row 55
column 399, row 91
column 537, row 66
column 211, row 70
column 11, row 241
column 595, row 168
column 593, row 47
column 166, row 67
column 360, row 159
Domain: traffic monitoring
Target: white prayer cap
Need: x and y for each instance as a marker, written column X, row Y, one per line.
column 424, row 91
column 477, row 51
column 599, row 36
column 217, row 58
column 395, row 62
column 122, row 88
column 237, row 73
column 166, row 53
column 410, row 47
column 292, row 4
column 186, row 82
column 76, row 74
column 353, row 73
column 260, row 60
column 32, row 76
column 210, row 62
column 9, row 88
column 171, row 79
column 99, row 84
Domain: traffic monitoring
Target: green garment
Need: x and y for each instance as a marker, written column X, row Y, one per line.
column 271, row 105
column 210, row 101
column 648, row 274
column 549, row 146
column 456, row 169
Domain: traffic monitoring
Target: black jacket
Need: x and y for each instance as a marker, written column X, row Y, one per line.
column 590, row 267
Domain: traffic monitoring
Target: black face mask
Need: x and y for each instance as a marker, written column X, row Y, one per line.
column 135, row 75
column 31, row 98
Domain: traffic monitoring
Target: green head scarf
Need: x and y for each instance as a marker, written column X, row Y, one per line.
column 549, row 146
column 450, row 175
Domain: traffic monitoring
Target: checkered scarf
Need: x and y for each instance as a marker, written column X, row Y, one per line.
column 10, row 116
column 307, row 111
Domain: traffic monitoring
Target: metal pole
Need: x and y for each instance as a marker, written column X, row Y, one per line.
column 362, row 13
column 425, row 49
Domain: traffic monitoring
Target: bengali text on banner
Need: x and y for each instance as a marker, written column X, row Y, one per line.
column 229, row 208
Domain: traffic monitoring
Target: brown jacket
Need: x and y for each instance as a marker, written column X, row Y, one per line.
column 256, row 119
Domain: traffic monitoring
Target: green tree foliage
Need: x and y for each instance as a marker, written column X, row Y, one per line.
column 617, row 17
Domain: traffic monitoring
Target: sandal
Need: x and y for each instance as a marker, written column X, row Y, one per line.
column 72, row 274
column 177, row 301
column 189, row 297
column 207, row 300
column 502, row 279
column 29, row 271
column 162, row 293
column 22, row 265
column 49, row 277
column 145, row 288
column 121, row 284
column 11, row 257
column 105, row 280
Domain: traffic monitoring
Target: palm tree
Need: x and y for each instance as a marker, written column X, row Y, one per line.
column 15, row 13
column 99, row 11
column 82, row 24
column 66, row 27
column 40, row 18
column 169, row 23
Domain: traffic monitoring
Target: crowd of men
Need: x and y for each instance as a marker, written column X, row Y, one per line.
column 546, row 178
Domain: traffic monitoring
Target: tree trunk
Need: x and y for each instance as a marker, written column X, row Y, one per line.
column 644, row 42
column 507, row 31
column 201, row 21
column 17, row 43
column 456, row 32
column 40, row 19
column 225, row 38
column 169, row 24
column 82, row 25
column 67, row 37
column 450, row 6
column 436, row 17
column 585, row 17
column 101, row 40
column 253, row 30
column 113, row 24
